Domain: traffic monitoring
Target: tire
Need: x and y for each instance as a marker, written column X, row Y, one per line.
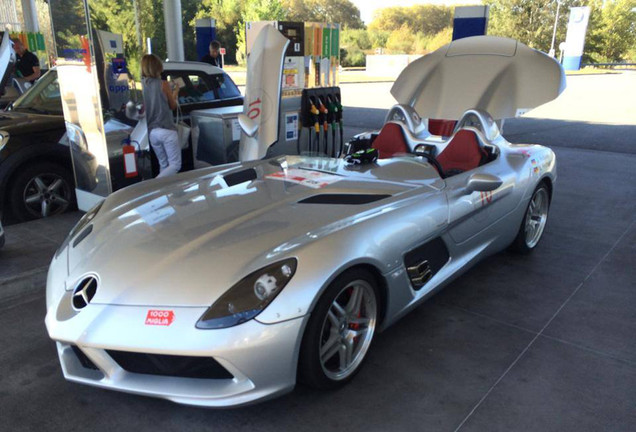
column 534, row 221
column 41, row 189
column 331, row 328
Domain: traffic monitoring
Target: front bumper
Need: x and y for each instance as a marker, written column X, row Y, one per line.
column 261, row 358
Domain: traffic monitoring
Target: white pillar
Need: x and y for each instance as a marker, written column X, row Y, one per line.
column 30, row 16
column 174, row 30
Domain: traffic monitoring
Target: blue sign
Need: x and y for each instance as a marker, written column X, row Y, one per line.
column 470, row 21
column 205, row 33
column 575, row 38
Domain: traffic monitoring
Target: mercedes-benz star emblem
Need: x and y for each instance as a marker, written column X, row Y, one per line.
column 84, row 292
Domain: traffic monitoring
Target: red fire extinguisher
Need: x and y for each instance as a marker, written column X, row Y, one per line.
column 130, row 159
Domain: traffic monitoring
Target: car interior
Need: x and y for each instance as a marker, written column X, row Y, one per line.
column 455, row 147
column 196, row 87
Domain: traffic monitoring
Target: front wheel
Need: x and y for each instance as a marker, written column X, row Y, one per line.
column 41, row 190
column 340, row 331
column 534, row 221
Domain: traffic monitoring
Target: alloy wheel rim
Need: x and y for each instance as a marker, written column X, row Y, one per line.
column 46, row 195
column 348, row 329
column 536, row 217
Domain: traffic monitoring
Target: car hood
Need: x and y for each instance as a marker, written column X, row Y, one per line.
column 185, row 241
column 23, row 123
column 499, row 75
column 6, row 60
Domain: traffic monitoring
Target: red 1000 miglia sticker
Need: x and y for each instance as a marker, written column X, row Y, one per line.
column 159, row 317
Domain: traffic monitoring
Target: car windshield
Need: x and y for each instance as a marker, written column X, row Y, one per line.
column 199, row 87
column 43, row 97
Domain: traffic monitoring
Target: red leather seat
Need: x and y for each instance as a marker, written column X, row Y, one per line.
column 390, row 141
column 463, row 152
column 441, row 127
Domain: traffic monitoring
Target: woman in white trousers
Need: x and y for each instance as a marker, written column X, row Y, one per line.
column 159, row 102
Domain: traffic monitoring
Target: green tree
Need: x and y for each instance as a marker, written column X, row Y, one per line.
column 401, row 41
column 612, row 35
column 256, row 10
column 529, row 21
column 428, row 19
column 611, row 29
column 332, row 11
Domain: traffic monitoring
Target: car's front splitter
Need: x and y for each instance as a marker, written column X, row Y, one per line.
column 261, row 358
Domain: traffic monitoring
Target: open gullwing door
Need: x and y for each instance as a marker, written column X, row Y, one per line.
column 501, row 76
column 262, row 94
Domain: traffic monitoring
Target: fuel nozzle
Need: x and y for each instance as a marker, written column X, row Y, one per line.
column 324, row 113
column 340, row 122
column 315, row 114
column 332, row 116
column 315, row 119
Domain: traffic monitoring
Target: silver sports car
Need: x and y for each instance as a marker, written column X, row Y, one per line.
column 226, row 285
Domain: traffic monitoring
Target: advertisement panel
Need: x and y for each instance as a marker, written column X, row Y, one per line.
column 575, row 38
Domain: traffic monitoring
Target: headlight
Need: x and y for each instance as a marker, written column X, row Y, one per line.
column 4, row 138
column 248, row 297
column 85, row 220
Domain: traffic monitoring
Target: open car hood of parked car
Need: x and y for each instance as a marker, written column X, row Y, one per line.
column 5, row 60
column 501, row 76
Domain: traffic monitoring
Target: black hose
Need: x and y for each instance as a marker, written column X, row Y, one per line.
column 300, row 133
column 333, row 139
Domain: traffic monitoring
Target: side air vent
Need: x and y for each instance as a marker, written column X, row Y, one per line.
column 84, row 292
column 239, row 177
column 420, row 274
column 347, row 199
column 423, row 262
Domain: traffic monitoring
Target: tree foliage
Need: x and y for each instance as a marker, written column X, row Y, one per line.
column 427, row 19
column 335, row 11
column 611, row 29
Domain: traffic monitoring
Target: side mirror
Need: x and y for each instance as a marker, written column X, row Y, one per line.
column 248, row 126
column 482, row 183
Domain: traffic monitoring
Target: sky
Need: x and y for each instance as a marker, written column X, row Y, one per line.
column 367, row 7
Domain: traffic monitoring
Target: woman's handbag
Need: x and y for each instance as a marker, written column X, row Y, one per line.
column 183, row 130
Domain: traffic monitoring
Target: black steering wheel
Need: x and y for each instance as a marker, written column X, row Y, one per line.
column 431, row 159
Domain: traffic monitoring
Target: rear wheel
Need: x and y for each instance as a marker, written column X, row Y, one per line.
column 340, row 331
column 42, row 189
column 534, row 221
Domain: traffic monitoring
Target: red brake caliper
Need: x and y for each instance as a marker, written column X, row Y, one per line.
column 354, row 326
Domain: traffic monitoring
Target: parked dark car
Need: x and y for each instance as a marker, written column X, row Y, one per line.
column 36, row 171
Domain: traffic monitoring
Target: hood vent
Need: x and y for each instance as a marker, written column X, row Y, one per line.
column 347, row 199
column 239, row 177
column 83, row 235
